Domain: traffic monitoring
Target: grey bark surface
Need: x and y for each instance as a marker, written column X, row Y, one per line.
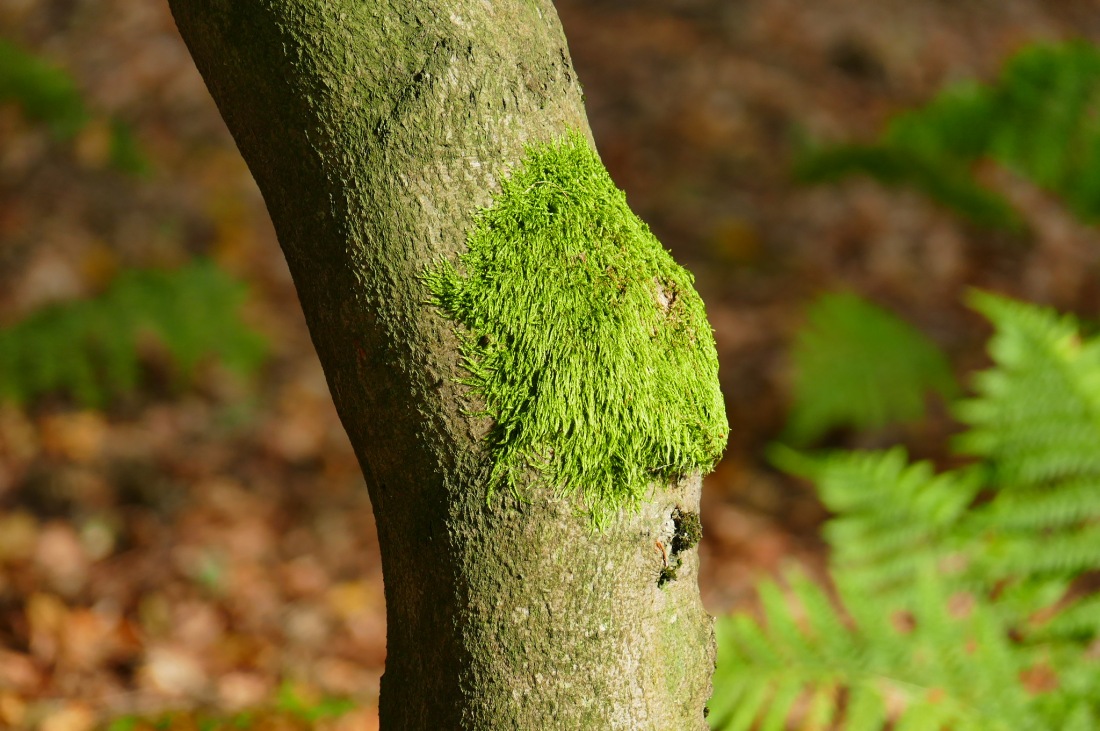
column 375, row 129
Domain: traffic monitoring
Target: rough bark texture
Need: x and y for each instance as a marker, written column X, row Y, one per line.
column 375, row 130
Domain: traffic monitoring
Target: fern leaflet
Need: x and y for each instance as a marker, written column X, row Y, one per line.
column 960, row 600
column 91, row 349
column 878, row 368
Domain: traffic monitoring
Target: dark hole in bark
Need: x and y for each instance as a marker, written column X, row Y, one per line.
column 687, row 531
column 668, row 573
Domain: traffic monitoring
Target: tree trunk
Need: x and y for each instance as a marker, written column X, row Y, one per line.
column 376, row 131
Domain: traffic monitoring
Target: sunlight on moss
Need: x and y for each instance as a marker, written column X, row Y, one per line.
column 586, row 342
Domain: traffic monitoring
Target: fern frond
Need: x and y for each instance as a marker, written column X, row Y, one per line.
column 890, row 514
column 1066, row 553
column 1045, row 99
column 45, row 93
column 858, row 365
column 1083, row 718
column 866, row 710
column 1038, row 508
column 1037, row 118
column 954, row 125
column 944, row 181
column 942, row 578
column 49, row 96
column 792, row 659
column 821, row 708
column 1035, row 420
column 1036, row 417
column 1080, row 621
column 946, row 671
column 90, row 349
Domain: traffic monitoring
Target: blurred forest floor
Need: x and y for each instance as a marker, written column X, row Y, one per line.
column 209, row 546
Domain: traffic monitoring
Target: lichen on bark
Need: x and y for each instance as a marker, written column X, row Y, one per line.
column 585, row 342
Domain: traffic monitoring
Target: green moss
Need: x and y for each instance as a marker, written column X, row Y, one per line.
column 689, row 530
column 583, row 338
column 669, row 573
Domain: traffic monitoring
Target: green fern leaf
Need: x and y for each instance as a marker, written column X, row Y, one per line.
column 947, row 671
column 1036, row 417
column 49, row 96
column 889, row 514
column 1038, row 118
column 866, row 710
column 943, row 578
column 90, row 350
column 946, row 181
column 1079, row 621
column 858, row 365
column 45, row 93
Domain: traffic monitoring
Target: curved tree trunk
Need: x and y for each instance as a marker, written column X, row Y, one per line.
column 375, row 130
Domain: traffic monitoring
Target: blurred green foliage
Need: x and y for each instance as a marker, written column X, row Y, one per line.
column 857, row 365
column 1040, row 118
column 290, row 711
column 290, row 701
column 126, row 154
column 49, row 96
column 961, row 598
column 91, row 349
column 45, row 93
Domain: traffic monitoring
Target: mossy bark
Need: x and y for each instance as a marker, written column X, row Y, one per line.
column 375, row 131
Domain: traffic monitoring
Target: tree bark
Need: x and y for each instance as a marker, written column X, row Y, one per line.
column 375, row 131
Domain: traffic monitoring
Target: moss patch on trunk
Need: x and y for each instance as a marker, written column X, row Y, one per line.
column 586, row 342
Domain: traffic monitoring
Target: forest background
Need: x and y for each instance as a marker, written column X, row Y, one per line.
column 192, row 530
